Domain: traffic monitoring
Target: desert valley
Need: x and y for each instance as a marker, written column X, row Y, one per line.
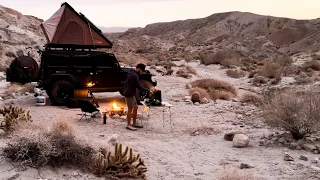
column 244, row 90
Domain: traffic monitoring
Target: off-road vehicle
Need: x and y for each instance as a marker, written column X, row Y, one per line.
column 62, row 71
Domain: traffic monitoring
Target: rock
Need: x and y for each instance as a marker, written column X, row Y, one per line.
column 309, row 147
column 196, row 103
column 188, row 86
column 123, row 117
column 16, row 176
column 116, row 116
column 315, row 168
column 318, row 147
column 205, row 101
column 293, row 145
column 287, row 157
column 239, row 116
column 113, row 139
column 303, row 158
column 27, row 93
column 196, row 133
column 281, row 140
column 195, row 97
column 240, row 141
column 245, row 166
column 186, row 98
column 299, row 147
column 229, row 136
column 316, row 151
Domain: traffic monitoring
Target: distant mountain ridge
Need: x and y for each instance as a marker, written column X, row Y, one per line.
column 113, row 29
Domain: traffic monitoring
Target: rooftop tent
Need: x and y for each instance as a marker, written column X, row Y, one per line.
column 68, row 28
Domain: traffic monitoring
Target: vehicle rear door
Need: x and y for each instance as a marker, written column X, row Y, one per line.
column 106, row 73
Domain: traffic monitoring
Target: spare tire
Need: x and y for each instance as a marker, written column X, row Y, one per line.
column 23, row 69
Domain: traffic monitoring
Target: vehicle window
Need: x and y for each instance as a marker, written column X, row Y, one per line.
column 83, row 61
column 103, row 62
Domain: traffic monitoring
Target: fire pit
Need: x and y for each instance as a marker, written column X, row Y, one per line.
column 115, row 109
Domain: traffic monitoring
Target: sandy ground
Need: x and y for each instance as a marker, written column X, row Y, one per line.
column 175, row 153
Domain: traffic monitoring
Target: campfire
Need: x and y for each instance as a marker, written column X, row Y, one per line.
column 115, row 109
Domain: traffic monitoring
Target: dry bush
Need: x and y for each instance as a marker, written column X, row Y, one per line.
column 63, row 127
column 214, row 84
column 224, row 57
column 235, row 73
column 221, row 94
column 10, row 54
column 13, row 117
column 258, row 80
column 191, row 70
column 232, row 173
column 18, row 88
column 303, row 78
column 203, row 93
column 314, row 64
column 295, row 112
column 54, row 148
column 270, row 69
column 251, row 98
column 316, row 56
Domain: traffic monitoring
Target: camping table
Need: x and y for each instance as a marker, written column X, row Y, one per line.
column 164, row 105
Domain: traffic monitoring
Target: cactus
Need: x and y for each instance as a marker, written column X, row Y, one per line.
column 119, row 164
column 12, row 116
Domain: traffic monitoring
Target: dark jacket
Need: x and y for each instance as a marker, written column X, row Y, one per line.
column 132, row 83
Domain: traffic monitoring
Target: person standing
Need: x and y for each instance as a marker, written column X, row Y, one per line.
column 131, row 84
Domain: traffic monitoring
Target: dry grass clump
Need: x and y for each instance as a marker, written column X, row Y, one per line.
column 216, row 89
column 235, row 73
column 316, row 56
column 18, row 88
column 270, row 69
column 62, row 127
column 314, row 64
column 303, row 78
column 13, row 117
column 10, row 54
column 54, row 148
column 232, row 173
column 295, row 112
column 251, row 98
column 186, row 72
column 224, row 57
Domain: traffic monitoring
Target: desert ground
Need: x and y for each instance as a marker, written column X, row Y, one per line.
column 194, row 148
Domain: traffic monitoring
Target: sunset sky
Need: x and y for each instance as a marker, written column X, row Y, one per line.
column 138, row 13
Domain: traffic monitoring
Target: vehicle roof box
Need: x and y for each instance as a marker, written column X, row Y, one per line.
column 67, row 28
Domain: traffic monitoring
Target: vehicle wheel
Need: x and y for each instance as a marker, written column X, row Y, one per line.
column 60, row 91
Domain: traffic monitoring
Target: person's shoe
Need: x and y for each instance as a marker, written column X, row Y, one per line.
column 137, row 125
column 131, row 128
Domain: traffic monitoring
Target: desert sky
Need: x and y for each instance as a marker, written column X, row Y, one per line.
column 138, row 13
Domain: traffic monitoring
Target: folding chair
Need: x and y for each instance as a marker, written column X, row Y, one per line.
column 87, row 107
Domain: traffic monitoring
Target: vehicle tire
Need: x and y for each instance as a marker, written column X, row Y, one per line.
column 60, row 92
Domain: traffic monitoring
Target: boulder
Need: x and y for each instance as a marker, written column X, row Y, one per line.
column 188, row 86
column 205, row 101
column 303, row 158
column 240, row 141
column 196, row 103
column 229, row 136
column 195, row 97
column 309, row 147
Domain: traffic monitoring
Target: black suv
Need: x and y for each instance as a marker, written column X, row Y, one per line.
column 62, row 71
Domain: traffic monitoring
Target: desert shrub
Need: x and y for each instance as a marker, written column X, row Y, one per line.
column 20, row 52
column 191, row 70
column 258, row 80
column 251, row 98
column 314, row 64
column 295, row 112
column 284, row 61
column 203, row 93
column 303, row 78
column 10, row 54
column 316, row 56
column 186, row 72
column 234, row 174
column 214, row 84
column 53, row 148
column 18, row 88
column 224, row 57
column 270, row 69
column 62, row 127
column 235, row 73
column 13, row 117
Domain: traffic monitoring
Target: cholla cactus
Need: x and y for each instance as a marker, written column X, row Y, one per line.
column 12, row 116
column 119, row 164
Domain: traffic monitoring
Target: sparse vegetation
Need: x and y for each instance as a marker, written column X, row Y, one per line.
column 18, row 88
column 203, row 93
column 186, row 72
column 295, row 112
column 12, row 117
column 10, row 54
column 232, row 173
column 251, row 98
column 303, row 78
column 216, row 89
column 56, row 148
column 226, row 58
column 313, row 64
column 235, row 73
column 316, row 56
column 270, row 69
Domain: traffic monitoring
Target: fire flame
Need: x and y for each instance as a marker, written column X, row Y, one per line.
column 90, row 84
column 116, row 107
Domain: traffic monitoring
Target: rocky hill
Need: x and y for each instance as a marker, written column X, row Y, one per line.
column 17, row 32
column 251, row 35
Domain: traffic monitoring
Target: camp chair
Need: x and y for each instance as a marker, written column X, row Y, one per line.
column 87, row 107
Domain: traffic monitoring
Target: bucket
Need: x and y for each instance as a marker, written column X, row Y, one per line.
column 40, row 101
